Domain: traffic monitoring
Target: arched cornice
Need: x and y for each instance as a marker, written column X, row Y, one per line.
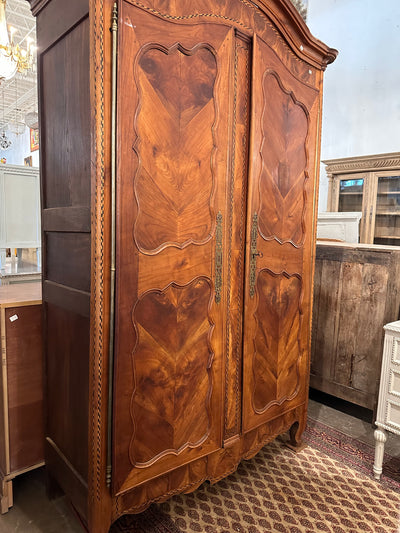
column 282, row 14
column 295, row 31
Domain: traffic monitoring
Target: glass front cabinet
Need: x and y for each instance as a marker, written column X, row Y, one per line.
column 370, row 184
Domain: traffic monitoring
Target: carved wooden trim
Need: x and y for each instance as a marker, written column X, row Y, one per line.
column 233, row 345
column 97, row 333
column 314, row 52
column 37, row 5
column 389, row 161
column 256, row 439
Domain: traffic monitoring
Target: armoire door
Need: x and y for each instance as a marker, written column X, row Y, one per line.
column 173, row 139
column 280, row 227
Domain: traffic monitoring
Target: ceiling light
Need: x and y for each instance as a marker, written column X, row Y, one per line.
column 5, row 142
column 32, row 120
column 13, row 59
column 16, row 127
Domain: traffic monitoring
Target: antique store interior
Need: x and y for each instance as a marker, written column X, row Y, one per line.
column 353, row 432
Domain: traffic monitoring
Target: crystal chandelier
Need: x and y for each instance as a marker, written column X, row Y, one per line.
column 13, row 59
column 17, row 127
column 5, row 142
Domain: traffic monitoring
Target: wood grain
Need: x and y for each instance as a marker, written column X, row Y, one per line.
column 276, row 341
column 356, row 292
column 25, row 386
column 172, row 363
column 21, row 294
column 284, row 158
column 173, row 188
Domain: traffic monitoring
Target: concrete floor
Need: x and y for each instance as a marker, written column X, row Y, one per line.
column 34, row 513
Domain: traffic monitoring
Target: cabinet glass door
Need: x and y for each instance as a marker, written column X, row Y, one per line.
column 387, row 221
column 351, row 195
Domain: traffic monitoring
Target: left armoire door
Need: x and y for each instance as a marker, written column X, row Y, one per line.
column 173, row 143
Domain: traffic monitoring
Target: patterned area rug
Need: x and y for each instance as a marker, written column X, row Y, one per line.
column 327, row 487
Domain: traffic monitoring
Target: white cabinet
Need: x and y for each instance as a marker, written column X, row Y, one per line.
column 19, row 208
column 339, row 226
column 388, row 413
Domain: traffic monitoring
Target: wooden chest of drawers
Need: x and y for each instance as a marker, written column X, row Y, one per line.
column 21, row 396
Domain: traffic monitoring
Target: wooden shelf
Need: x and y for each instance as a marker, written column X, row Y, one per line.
column 350, row 193
column 387, row 237
column 388, row 213
column 388, row 192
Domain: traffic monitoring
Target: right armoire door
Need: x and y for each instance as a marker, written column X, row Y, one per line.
column 279, row 235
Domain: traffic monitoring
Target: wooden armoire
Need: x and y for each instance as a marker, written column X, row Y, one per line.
column 179, row 158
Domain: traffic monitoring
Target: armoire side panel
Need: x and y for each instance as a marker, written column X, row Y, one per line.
column 66, row 136
column 65, row 123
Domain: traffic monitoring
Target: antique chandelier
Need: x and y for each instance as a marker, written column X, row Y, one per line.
column 13, row 58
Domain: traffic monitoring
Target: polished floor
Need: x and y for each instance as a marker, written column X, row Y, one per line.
column 34, row 513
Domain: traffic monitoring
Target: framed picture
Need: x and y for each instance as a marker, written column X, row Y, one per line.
column 28, row 161
column 34, row 139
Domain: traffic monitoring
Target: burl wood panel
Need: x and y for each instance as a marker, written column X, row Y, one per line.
column 356, row 292
column 276, row 341
column 284, row 160
column 173, row 188
column 25, row 386
column 172, row 365
column 173, row 110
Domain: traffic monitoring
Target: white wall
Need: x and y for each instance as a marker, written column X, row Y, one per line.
column 20, row 149
column 362, row 87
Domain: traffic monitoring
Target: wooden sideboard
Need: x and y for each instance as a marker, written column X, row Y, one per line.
column 21, row 386
column 356, row 292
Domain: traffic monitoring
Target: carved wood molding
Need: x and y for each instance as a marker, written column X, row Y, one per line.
column 278, row 15
column 37, row 5
column 389, row 161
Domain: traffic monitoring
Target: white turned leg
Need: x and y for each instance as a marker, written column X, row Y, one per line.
column 380, row 439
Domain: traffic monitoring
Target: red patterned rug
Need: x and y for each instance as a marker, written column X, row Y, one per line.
column 327, row 487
